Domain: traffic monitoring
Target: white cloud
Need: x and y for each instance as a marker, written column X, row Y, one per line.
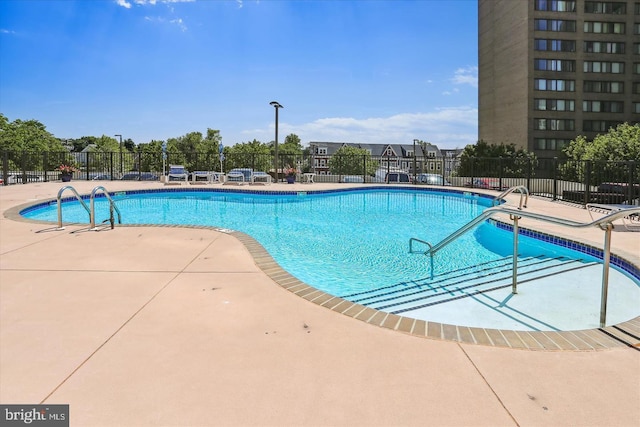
column 468, row 75
column 127, row 4
column 449, row 127
column 180, row 23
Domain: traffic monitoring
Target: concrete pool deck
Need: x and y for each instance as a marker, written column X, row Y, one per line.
column 180, row 326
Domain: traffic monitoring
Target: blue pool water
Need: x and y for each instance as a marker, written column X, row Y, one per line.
column 340, row 242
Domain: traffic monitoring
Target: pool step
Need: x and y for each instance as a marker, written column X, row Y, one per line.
column 458, row 284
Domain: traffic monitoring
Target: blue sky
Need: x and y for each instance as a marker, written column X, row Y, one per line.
column 353, row 71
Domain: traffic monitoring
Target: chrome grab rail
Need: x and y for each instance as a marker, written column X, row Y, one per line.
column 413, row 239
column 605, row 223
column 59, row 199
column 524, row 192
column 112, row 206
column 90, row 210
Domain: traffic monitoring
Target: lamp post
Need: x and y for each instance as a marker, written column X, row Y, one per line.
column 121, row 166
column 414, row 160
column 277, row 106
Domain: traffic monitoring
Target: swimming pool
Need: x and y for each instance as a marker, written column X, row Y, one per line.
column 354, row 243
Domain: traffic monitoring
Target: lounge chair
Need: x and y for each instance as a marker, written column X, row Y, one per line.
column 206, row 176
column 630, row 222
column 236, row 178
column 178, row 172
column 260, row 178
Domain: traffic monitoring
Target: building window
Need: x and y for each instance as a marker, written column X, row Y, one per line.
column 636, row 48
column 603, row 106
column 558, row 25
column 604, row 27
column 556, row 5
column 636, row 88
column 554, row 65
column 554, row 104
column 603, row 47
column 636, row 27
column 595, row 86
column 599, row 125
column 321, row 150
column 553, row 124
column 637, row 9
column 555, row 85
column 555, row 45
column 636, row 107
column 609, row 7
column 603, row 67
column 636, row 68
column 550, row 143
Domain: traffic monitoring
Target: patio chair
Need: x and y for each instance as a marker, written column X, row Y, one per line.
column 260, row 178
column 178, row 172
column 206, row 176
column 630, row 222
column 234, row 178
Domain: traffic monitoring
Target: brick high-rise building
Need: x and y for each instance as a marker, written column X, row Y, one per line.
column 550, row 70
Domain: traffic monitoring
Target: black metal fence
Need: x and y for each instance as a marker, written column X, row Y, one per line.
column 568, row 180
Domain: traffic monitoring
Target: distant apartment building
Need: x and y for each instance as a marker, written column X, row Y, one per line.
column 428, row 157
column 550, row 70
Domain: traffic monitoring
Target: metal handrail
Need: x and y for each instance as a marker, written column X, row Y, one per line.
column 112, row 206
column 414, row 239
column 600, row 222
column 59, row 199
column 523, row 192
column 605, row 223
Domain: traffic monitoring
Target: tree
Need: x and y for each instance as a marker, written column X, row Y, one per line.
column 30, row 135
column 484, row 159
column 26, row 141
column 100, row 154
column 619, row 144
column 609, row 155
column 254, row 155
column 351, row 161
column 290, row 152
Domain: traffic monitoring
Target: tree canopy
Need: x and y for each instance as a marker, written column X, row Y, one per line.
column 29, row 135
column 352, row 161
column 607, row 155
column 485, row 159
column 619, row 144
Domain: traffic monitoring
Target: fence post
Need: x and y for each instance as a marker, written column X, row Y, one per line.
column 86, row 164
column 473, row 161
column 364, row 169
column 45, row 165
column 631, row 191
column 23, row 166
column 529, row 169
column 5, row 167
column 555, row 179
column 587, row 182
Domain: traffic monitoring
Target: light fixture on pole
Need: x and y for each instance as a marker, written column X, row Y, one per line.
column 277, row 106
column 121, row 165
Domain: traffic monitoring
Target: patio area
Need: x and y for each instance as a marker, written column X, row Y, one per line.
column 179, row 326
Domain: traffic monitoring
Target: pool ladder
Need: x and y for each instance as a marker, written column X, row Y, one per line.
column 91, row 208
column 605, row 223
